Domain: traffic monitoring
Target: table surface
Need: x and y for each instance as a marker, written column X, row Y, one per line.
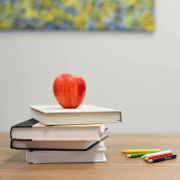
column 14, row 166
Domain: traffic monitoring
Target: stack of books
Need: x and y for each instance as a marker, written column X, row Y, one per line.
column 58, row 135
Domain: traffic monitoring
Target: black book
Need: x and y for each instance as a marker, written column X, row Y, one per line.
column 33, row 129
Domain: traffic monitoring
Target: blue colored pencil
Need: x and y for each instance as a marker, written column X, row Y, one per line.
column 162, row 158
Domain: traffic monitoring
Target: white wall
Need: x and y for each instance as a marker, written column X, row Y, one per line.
column 137, row 73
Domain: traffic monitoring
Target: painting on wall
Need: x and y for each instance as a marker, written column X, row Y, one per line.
column 77, row 15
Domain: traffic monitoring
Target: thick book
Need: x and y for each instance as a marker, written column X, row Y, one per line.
column 29, row 144
column 33, row 129
column 84, row 114
column 95, row 154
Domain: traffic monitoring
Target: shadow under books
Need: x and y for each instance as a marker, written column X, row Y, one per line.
column 19, row 159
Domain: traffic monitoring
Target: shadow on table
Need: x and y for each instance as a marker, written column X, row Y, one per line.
column 19, row 157
column 18, row 162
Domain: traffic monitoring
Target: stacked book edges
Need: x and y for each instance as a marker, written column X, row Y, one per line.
column 58, row 135
column 95, row 154
column 37, row 136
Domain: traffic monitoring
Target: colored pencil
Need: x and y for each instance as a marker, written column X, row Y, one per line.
column 162, row 158
column 157, row 153
column 137, row 155
column 157, row 156
column 133, row 151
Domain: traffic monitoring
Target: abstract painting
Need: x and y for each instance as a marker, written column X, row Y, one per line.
column 77, row 15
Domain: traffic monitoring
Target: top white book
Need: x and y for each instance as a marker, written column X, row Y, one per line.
column 84, row 114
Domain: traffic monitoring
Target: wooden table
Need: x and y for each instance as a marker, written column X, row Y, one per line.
column 13, row 164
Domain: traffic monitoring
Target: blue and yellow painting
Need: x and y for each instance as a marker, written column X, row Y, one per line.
column 77, row 15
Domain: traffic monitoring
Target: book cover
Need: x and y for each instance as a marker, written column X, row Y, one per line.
column 28, row 144
column 33, row 129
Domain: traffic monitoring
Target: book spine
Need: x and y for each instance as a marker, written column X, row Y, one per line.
column 120, row 117
column 25, row 124
column 11, row 132
column 11, row 143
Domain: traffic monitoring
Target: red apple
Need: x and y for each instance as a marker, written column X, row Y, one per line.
column 69, row 90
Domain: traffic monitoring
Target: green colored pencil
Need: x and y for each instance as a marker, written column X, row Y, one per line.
column 137, row 155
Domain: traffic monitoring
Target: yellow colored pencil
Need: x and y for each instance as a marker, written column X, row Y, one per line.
column 132, row 151
column 146, row 158
column 129, row 155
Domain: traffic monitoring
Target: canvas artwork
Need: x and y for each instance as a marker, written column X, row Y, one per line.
column 77, row 15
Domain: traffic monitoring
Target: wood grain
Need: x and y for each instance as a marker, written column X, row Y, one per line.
column 13, row 164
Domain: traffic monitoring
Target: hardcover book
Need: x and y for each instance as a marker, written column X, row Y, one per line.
column 95, row 154
column 33, row 129
column 84, row 114
column 29, row 144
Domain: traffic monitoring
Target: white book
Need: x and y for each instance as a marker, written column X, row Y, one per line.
column 96, row 154
column 36, row 131
column 84, row 114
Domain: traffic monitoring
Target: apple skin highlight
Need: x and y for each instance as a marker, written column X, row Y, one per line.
column 69, row 90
